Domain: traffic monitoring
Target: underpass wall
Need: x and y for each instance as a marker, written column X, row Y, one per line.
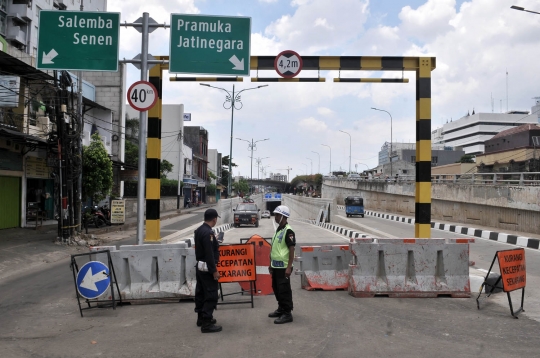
column 515, row 208
column 305, row 207
column 225, row 207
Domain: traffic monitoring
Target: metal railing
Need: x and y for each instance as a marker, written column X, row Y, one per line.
column 502, row 178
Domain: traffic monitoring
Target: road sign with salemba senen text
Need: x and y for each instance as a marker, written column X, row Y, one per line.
column 78, row 40
column 214, row 45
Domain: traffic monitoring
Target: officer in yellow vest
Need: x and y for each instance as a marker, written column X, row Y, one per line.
column 281, row 263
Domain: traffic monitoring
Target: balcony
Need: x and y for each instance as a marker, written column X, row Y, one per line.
column 15, row 34
column 21, row 12
column 10, row 120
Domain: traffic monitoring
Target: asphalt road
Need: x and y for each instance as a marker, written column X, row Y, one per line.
column 39, row 317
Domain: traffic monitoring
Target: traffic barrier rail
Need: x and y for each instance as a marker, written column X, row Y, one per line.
column 324, row 267
column 409, row 267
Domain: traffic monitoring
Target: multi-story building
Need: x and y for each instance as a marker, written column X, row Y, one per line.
column 278, row 177
column 27, row 119
column 472, row 131
column 406, row 152
column 196, row 137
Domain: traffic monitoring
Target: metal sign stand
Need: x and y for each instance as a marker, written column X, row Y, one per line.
column 494, row 286
column 99, row 304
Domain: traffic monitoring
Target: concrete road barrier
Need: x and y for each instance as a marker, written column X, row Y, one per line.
column 153, row 271
column 324, row 267
column 409, row 267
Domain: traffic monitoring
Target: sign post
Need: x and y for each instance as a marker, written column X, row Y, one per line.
column 142, row 95
column 118, row 211
column 513, row 276
column 78, row 40
column 237, row 264
column 214, row 45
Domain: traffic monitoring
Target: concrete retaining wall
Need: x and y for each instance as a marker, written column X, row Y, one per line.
column 515, row 208
column 305, row 207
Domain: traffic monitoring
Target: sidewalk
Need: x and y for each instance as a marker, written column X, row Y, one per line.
column 23, row 249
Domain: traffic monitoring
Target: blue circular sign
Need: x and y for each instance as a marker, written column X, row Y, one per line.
column 93, row 279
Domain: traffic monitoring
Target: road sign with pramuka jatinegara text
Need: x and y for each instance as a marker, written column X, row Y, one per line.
column 213, row 45
column 78, row 40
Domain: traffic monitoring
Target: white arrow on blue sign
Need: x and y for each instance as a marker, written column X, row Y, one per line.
column 93, row 279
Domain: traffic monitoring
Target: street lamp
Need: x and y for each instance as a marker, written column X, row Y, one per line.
column 251, row 146
column 390, row 156
column 311, row 173
column 319, row 171
column 523, row 9
column 233, row 99
column 330, row 157
column 350, row 148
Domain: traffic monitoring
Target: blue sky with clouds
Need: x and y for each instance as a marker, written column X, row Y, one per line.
column 475, row 43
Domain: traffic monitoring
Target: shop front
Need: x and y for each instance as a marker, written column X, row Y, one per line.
column 11, row 172
column 39, row 186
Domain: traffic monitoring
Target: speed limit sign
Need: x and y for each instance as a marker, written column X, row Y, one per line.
column 142, row 95
column 288, row 64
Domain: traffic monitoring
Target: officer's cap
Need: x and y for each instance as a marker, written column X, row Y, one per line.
column 210, row 214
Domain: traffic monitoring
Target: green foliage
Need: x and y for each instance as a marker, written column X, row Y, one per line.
column 467, row 158
column 211, row 189
column 132, row 154
column 165, row 168
column 97, row 177
column 241, row 186
column 211, row 175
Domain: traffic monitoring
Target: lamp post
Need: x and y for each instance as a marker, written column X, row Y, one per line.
column 523, row 9
column 390, row 156
column 259, row 161
column 319, row 171
column 350, row 148
column 233, row 99
column 311, row 172
column 330, row 157
column 251, row 146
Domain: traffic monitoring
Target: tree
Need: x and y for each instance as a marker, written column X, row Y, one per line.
column 467, row 158
column 97, row 180
column 241, row 186
column 165, row 168
column 132, row 154
column 225, row 170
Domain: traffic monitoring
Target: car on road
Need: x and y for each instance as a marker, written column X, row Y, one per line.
column 246, row 214
column 265, row 214
column 354, row 177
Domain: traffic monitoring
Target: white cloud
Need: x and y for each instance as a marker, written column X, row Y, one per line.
column 325, row 111
column 313, row 125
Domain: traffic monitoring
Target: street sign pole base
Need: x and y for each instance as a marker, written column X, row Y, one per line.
column 113, row 302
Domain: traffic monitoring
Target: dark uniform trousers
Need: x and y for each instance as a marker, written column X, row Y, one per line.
column 282, row 290
column 206, row 294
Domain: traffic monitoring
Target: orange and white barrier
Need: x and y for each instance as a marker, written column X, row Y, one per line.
column 324, row 267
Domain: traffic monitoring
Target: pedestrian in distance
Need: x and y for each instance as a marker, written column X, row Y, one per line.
column 207, row 256
column 281, row 264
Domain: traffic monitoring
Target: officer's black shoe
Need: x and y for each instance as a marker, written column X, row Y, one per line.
column 200, row 320
column 209, row 327
column 284, row 318
column 275, row 314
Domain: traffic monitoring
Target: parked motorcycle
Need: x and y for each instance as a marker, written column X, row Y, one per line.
column 97, row 215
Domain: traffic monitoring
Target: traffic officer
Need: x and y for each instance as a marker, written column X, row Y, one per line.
column 207, row 256
column 281, row 262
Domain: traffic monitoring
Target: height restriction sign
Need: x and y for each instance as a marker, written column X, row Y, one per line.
column 142, row 95
column 288, row 64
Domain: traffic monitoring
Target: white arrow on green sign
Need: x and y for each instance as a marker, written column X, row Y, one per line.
column 78, row 40
column 212, row 45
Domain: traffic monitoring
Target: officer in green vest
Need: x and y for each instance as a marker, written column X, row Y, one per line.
column 281, row 263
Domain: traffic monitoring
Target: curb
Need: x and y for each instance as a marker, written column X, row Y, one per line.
column 340, row 230
column 523, row 241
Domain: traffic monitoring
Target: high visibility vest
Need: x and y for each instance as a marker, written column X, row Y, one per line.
column 279, row 256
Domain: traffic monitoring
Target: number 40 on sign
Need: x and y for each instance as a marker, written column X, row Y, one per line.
column 142, row 95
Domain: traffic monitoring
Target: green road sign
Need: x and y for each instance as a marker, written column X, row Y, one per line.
column 78, row 40
column 213, row 45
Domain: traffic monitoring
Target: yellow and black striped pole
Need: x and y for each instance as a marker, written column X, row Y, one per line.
column 422, row 216
column 153, row 161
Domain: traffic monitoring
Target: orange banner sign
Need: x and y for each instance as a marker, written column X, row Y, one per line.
column 236, row 263
column 512, row 265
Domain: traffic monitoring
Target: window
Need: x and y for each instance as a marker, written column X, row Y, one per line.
column 3, row 22
column 413, row 159
column 3, row 5
column 434, row 160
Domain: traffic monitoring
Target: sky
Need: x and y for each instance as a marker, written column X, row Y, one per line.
column 482, row 47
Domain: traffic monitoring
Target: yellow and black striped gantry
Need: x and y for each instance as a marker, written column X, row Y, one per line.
column 422, row 66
